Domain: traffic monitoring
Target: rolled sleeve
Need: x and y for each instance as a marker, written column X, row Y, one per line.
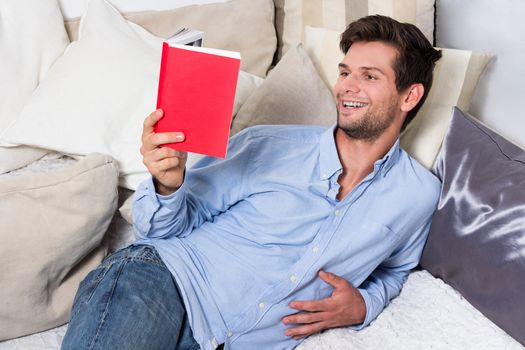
column 148, row 204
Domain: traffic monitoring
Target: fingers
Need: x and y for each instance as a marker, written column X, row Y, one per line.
column 150, row 139
column 151, row 120
column 166, row 137
column 304, row 318
column 153, row 141
column 163, row 158
column 305, row 330
column 333, row 280
column 309, row 305
column 161, row 153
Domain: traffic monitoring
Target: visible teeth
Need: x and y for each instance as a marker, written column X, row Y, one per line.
column 354, row 104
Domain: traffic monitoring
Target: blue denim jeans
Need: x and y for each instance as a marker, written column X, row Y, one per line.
column 130, row 301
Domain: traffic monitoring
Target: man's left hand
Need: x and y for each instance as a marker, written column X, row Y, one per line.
column 345, row 307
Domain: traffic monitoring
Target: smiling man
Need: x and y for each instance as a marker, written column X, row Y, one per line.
column 300, row 229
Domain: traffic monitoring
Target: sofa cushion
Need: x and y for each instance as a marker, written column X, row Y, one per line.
column 292, row 93
column 235, row 25
column 477, row 238
column 291, row 16
column 32, row 36
column 51, row 231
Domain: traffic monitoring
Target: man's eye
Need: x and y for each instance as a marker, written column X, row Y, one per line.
column 370, row 77
column 343, row 74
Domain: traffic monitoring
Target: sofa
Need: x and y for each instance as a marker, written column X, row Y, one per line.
column 75, row 91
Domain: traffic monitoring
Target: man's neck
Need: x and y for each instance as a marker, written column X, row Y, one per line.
column 358, row 157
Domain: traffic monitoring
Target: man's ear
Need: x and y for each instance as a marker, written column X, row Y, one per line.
column 412, row 96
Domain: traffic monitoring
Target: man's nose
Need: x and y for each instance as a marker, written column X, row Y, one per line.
column 350, row 84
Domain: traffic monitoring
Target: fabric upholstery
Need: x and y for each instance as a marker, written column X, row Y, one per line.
column 51, row 231
column 477, row 239
column 235, row 25
column 32, row 36
column 291, row 16
column 292, row 93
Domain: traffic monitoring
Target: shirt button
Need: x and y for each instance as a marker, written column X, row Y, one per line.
column 261, row 306
column 337, row 213
column 230, row 334
column 315, row 249
column 293, row 278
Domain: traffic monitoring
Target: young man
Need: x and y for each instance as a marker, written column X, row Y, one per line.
column 300, row 229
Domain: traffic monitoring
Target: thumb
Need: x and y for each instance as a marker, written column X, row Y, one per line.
column 333, row 280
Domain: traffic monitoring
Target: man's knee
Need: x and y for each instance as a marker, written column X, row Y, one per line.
column 119, row 297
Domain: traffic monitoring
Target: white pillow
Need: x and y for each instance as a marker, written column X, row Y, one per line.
column 96, row 96
column 32, row 36
column 455, row 78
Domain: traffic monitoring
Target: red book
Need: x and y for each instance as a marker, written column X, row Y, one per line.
column 196, row 91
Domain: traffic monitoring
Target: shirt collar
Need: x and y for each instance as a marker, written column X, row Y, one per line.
column 386, row 163
column 329, row 157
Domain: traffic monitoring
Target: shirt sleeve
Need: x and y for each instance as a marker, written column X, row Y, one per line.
column 388, row 278
column 210, row 187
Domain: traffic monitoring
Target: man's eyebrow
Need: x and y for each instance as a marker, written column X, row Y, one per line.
column 365, row 68
column 372, row 68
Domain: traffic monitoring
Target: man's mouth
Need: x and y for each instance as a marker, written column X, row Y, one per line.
column 354, row 104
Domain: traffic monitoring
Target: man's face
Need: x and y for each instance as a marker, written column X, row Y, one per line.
column 366, row 93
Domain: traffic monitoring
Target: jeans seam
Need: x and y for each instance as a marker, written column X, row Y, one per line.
column 122, row 260
column 157, row 260
column 106, row 309
column 97, row 282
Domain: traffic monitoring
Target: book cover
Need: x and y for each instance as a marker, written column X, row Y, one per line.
column 197, row 91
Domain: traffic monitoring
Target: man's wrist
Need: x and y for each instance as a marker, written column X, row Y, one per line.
column 164, row 190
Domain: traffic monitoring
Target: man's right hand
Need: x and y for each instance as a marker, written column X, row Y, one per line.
column 165, row 164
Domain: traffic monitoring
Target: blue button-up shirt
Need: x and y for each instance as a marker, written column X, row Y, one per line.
column 246, row 235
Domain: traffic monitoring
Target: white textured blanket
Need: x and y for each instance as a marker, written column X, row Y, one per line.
column 428, row 314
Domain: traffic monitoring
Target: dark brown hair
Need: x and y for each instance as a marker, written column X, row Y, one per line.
column 416, row 57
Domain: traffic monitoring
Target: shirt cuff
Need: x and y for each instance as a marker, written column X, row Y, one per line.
column 145, row 204
column 371, row 312
column 173, row 200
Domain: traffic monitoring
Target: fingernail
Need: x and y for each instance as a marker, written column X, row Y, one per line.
column 179, row 137
column 158, row 112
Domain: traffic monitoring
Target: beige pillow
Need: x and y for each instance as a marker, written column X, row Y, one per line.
column 292, row 93
column 291, row 16
column 51, row 231
column 322, row 45
column 236, row 25
column 455, row 78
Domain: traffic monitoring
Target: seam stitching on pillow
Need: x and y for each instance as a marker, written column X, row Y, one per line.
column 495, row 142
column 61, row 181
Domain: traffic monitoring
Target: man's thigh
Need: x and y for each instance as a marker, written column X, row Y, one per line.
column 129, row 302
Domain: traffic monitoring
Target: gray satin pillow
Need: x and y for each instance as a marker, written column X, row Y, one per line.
column 477, row 239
